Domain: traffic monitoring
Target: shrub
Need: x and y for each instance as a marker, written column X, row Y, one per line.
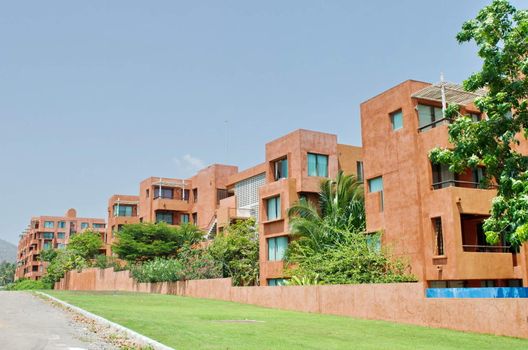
column 158, row 270
column 86, row 244
column 65, row 260
column 27, row 284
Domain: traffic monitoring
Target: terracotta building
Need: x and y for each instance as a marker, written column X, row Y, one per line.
column 174, row 201
column 428, row 215
column 47, row 232
column 293, row 168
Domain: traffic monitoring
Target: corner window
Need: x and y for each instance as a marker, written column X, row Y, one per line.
column 48, row 224
column 276, row 248
column 375, row 185
column 274, row 208
column 438, row 237
column 84, row 225
column 163, row 216
column 396, row 120
column 317, row 165
column 280, row 169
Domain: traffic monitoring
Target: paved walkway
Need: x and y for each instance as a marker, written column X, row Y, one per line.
column 29, row 323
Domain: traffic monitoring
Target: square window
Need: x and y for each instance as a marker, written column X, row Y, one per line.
column 280, row 168
column 317, row 165
column 274, row 208
column 48, row 224
column 277, row 248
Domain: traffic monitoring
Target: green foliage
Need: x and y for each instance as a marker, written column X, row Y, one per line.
column 330, row 245
column 146, row 241
column 86, row 244
column 500, row 32
column 103, row 262
column 303, row 281
column 48, row 255
column 7, row 273
column 65, row 260
column 237, row 252
column 27, row 284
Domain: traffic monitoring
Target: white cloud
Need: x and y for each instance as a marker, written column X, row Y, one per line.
column 189, row 163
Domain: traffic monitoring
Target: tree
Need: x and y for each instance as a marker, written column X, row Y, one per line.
column 64, row 260
column 146, row 241
column 7, row 273
column 87, row 244
column 330, row 245
column 500, row 32
column 237, row 251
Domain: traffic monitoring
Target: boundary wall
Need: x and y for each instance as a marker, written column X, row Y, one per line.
column 396, row 302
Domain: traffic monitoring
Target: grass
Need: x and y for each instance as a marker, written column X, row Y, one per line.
column 189, row 323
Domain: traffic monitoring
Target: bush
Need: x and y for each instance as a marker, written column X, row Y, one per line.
column 65, row 260
column 86, row 244
column 103, row 262
column 27, row 284
column 158, row 270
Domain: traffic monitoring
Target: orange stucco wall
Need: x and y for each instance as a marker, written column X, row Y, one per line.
column 403, row 302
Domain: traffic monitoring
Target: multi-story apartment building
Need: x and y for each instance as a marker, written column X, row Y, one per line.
column 294, row 167
column 174, row 201
column 47, row 232
column 428, row 215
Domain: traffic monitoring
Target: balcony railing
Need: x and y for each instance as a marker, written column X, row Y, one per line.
column 434, row 124
column 487, row 248
column 459, row 183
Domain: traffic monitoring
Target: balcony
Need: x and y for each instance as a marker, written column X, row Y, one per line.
column 171, row 204
column 461, row 183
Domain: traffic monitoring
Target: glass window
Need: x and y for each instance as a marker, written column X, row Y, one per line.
column 98, row 225
column 475, row 117
column 397, row 120
column 84, row 225
column 47, row 245
column 48, row 235
column 375, row 184
column 374, row 242
column 280, row 169
column 61, row 245
column 186, row 195
column 317, row 165
column 429, row 116
column 61, row 224
column 61, row 235
column 438, row 236
column 48, row 224
column 359, row 170
column 122, row 210
column 165, row 193
column 274, row 282
column 274, row 208
column 276, row 248
column 195, row 194
column 163, row 216
column 184, row 218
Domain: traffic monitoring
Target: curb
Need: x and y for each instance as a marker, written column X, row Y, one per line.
column 130, row 333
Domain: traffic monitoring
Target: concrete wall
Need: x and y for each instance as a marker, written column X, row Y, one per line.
column 404, row 302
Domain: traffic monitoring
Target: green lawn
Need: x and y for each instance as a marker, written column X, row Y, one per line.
column 189, row 323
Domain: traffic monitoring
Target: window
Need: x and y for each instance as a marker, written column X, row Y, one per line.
column 274, row 282
column 122, row 210
column 184, row 218
column 186, row 194
column 84, row 225
column 374, row 242
column 165, row 193
column 280, row 169
column 475, row 117
column 274, row 208
column 317, row 165
column 478, row 176
column 47, row 245
column 396, row 120
column 276, row 248
column 61, row 224
column 48, row 224
column 429, row 117
column 48, row 235
column 359, row 170
column 61, row 245
column 195, row 218
column 98, row 225
column 164, row 216
column 438, row 237
column 376, row 185
column 147, row 192
column 195, row 195
column 61, row 235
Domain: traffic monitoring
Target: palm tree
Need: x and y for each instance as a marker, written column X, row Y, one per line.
column 341, row 208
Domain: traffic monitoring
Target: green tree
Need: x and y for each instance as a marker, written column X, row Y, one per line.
column 7, row 273
column 500, row 32
column 87, row 244
column 65, row 260
column 237, row 252
column 146, row 241
column 330, row 245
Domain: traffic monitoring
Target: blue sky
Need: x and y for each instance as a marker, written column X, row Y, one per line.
column 97, row 95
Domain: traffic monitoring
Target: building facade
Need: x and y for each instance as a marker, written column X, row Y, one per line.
column 51, row 232
column 294, row 167
column 429, row 216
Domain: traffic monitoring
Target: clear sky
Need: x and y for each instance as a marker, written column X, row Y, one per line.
column 97, row 95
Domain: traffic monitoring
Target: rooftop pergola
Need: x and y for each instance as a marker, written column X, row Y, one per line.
column 454, row 93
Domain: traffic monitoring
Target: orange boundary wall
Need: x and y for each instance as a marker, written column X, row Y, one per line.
column 398, row 302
